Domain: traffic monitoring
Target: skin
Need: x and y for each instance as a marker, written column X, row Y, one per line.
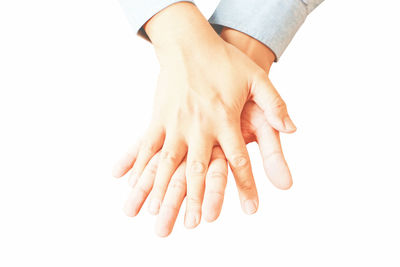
column 206, row 122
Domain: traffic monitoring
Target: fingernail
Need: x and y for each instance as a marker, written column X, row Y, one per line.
column 154, row 206
column 191, row 220
column 289, row 125
column 250, row 206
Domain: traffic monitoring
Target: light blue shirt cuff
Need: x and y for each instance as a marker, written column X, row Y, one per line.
column 140, row 11
column 272, row 22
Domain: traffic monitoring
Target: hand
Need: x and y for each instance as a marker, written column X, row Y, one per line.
column 203, row 86
column 253, row 121
column 254, row 128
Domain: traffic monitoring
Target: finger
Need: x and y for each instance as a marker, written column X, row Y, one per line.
column 268, row 99
column 216, row 179
column 142, row 189
column 198, row 158
column 172, row 154
column 150, row 145
column 232, row 143
column 274, row 162
column 172, row 202
column 125, row 163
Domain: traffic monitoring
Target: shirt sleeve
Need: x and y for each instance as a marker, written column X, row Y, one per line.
column 272, row 22
column 140, row 11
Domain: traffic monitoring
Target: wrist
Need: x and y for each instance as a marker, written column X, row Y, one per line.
column 178, row 27
column 254, row 49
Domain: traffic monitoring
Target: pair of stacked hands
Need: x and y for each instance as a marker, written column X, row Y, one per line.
column 213, row 97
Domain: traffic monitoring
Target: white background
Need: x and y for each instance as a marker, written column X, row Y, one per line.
column 76, row 89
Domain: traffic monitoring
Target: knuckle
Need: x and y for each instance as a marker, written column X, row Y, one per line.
column 141, row 189
column 197, row 167
column 227, row 117
column 194, row 201
column 271, row 155
column 148, row 148
column 219, row 194
column 152, row 169
column 245, row 185
column 169, row 157
column 178, row 184
column 198, row 116
column 277, row 103
column 218, row 175
column 239, row 161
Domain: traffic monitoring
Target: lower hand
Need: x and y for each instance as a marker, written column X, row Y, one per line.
column 254, row 127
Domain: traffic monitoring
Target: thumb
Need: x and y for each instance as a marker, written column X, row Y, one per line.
column 268, row 99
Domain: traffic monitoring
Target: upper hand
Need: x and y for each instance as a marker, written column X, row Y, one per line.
column 202, row 89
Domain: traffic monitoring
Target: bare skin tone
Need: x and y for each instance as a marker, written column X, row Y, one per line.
column 213, row 97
